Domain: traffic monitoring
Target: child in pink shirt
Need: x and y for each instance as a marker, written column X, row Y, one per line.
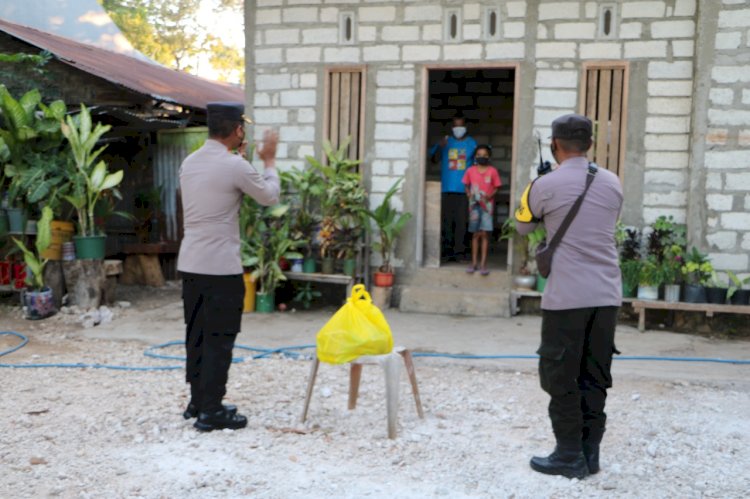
column 482, row 182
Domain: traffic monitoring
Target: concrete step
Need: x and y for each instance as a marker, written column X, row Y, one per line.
column 455, row 301
column 456, row 278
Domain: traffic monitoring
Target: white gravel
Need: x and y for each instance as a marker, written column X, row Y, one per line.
column 88, row 433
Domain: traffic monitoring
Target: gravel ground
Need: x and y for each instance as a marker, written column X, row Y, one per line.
column 86, row 433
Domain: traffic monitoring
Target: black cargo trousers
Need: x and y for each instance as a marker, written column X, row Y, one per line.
column 213, row 316
column 575, row 360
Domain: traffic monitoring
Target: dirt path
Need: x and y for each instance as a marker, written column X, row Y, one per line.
column 674, row 430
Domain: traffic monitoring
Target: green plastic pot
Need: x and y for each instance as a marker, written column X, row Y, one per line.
column 541, row 282
column 350, row 266
column 90, row 247
column 308, row 266
column 328, row 265
column 264, row 303
column 16, row 220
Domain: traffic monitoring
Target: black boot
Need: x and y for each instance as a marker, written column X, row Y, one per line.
column 191, row 411
column 591, row 438
column 208, row 421
column 566, row 461
column 591, row 452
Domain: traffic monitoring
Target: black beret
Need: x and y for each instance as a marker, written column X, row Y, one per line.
column 572, row 126
column 230, row 111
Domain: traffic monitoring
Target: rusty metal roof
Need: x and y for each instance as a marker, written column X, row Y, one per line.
column 159, row 82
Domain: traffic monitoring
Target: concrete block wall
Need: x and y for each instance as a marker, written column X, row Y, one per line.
column 657, row 36
column 727, row 151
column 293, row 41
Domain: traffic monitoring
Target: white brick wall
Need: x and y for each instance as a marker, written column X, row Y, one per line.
column 380, row 14
column 719, row 202
column 505, row 51
column 673, row 29
column 395, row 96
column 723, row 240
column 395, row 78
column 601, row 51
column 295, row 39
column 643, row 50
column 400, row 33
column 559, row 10
column 575, row 31
column 423, row 13
column 643, row 9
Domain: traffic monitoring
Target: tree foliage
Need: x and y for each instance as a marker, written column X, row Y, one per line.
column 170, row 32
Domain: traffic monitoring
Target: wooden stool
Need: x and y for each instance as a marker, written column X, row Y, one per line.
column 391, row 364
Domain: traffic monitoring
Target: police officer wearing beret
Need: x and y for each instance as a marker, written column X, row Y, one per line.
column 581, row 298
column 213, row 181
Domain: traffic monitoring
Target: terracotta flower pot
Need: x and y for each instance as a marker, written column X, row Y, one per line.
column 383, row 279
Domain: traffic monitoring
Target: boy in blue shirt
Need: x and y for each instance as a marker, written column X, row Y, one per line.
column 457, row 155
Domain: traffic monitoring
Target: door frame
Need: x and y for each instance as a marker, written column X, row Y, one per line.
column 425, row 118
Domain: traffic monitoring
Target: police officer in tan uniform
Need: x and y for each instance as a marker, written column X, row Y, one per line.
column 213, row 181
column 581, row 298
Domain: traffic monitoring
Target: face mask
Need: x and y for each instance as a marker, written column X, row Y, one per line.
column 483, row 161
column 459, row 131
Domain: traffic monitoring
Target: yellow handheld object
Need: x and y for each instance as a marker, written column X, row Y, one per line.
column 523, row 212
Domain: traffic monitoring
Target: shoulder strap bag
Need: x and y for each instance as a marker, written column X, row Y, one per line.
column 544, row 251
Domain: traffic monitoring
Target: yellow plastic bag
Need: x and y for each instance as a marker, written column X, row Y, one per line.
column 357, row 328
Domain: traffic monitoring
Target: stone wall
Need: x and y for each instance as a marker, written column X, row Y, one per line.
column 549, row 41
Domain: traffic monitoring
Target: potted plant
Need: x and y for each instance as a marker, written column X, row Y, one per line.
column 265, row 243
column 90, row 180
column 344, row 196
column 736, row 294
column 716, row 292
column 629, row 241
column 389, row 223
column 38, row 298
column 306, row 294
column 527, row 244
column 306, row 188
column 649, row 280
column 696, row 271
column 30, row 150
column 671, row 270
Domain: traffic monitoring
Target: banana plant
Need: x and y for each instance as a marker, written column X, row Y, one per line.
column 91, row 178
column 389, row 223
column 35, row 263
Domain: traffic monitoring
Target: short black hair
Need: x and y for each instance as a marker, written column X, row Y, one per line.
column 486, row 147
column 574, row 145
column 221, row 127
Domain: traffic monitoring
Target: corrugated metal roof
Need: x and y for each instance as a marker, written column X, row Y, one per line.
column 151, row 79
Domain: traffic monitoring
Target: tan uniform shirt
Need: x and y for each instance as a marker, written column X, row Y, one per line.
column 585, row 269
column 212, row 181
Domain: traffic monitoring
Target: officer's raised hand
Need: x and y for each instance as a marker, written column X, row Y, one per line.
column 267, row 152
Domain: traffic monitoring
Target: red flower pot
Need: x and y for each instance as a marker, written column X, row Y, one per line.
column 4, row 273
column 19, row 275
column 383, row 279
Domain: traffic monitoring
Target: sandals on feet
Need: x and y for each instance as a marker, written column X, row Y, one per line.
column 484, row 272
column 471, row 269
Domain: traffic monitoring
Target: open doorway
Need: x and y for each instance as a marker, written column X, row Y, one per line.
column 485, row 97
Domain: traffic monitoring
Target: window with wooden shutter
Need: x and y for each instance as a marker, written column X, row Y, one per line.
column 604, row 102
column 344, row 117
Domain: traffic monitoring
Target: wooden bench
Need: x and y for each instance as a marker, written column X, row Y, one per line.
column 324, row 278
column 710, row 309
column 516, row 294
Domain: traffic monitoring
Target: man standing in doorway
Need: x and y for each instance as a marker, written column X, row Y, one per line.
column 213, row 181
column 581, row 299
column 456, row 155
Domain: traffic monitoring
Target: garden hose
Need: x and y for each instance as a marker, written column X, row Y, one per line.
column 294, row 352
